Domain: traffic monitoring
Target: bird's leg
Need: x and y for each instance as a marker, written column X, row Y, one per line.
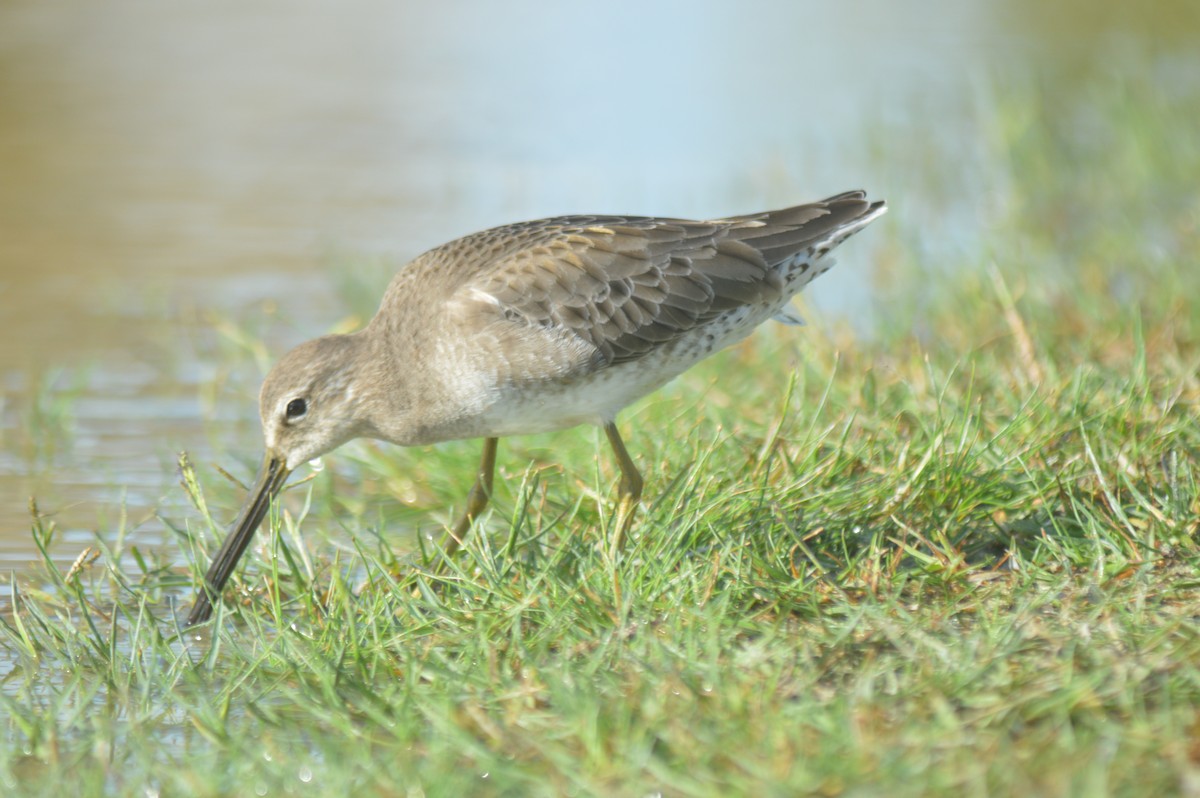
column 477, row 499
column 629, row 490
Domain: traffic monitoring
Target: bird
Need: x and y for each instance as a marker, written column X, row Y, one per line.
column 532, row 327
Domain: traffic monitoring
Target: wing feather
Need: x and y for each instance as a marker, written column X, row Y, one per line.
column 626, row 285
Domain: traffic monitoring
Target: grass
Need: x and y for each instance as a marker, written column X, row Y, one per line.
column 955, row 556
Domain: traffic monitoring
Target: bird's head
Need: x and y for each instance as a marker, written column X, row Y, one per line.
column 310, row 402
column 308, row 406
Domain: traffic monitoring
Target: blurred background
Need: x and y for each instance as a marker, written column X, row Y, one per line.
column 182, row 184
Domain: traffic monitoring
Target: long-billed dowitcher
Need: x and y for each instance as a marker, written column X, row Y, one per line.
column 532, row 327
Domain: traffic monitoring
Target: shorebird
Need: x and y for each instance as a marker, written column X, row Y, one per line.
column 532, row 327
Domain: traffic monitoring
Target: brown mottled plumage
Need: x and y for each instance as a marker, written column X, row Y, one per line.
column 532, row 327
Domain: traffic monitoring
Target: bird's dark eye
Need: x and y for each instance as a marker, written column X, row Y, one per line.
column 296, row 409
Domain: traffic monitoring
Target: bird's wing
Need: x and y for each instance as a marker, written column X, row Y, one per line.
column 627, row 285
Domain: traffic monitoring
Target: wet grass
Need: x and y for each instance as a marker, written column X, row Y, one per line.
column 956, row 556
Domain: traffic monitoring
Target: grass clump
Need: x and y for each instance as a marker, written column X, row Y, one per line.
column 957, row 556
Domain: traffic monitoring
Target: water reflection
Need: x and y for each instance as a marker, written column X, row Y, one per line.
column 167, row 165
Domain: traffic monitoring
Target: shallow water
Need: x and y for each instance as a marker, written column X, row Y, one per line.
column 171, row 172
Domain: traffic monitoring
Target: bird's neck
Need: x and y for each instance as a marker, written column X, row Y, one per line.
column 401, row 403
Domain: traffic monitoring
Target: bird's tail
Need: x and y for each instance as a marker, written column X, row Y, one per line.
column 811, row 230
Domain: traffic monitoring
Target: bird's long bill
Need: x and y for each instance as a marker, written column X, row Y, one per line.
column 271, row 476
